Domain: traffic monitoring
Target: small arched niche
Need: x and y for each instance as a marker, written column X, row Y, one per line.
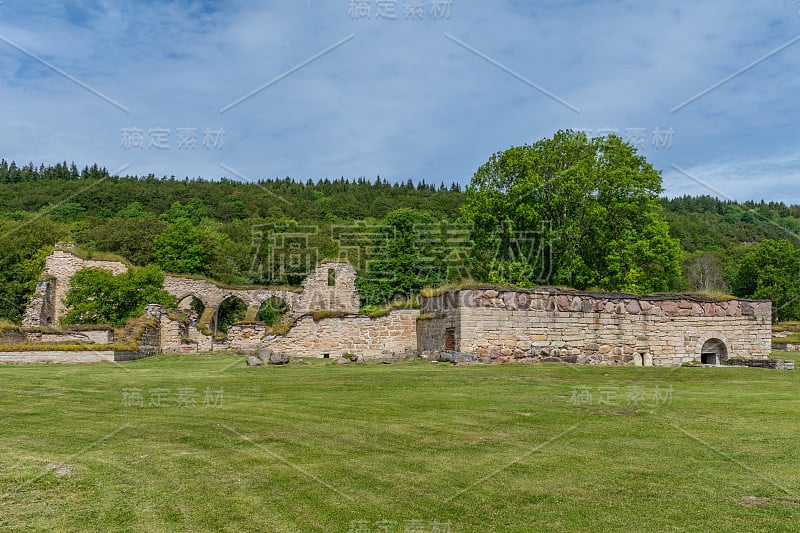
column 713, row 352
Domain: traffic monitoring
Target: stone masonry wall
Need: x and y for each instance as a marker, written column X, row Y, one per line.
column 100, row 336
column 246, row 336
column 175, row 336
column 359, row 335
column 150, row 341
column 317, row 294
column 172, row 334
column 54, row 356
column 593, row 328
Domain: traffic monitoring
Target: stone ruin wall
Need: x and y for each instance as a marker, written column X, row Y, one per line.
column 319, row 295
column 212, row 295
column 47, row 306
column 29, row 357
column 590, row 328
column 176, row 336
column 97, row 336
column 394, row 333
column 246, row 336
column 316, row 294
column 514, row 325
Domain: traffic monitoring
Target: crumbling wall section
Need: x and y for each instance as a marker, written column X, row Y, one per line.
column 395, row 333
column 41, row 309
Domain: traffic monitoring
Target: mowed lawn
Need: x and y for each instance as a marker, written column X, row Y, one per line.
column 217, row 446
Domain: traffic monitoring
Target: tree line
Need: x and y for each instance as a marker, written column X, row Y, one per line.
column 569, row 210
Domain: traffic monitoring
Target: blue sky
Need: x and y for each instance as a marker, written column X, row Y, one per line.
column 430, row 96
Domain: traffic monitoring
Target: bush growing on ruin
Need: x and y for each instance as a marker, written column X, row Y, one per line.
column 272, row 312
column 97, row 296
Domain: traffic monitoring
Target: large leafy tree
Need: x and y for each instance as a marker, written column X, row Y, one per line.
column 771, row 270
column 97, row 296
column 408, row 253
column 571, row 211
column 179, row 248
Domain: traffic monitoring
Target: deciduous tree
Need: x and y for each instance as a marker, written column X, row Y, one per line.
column 771, row 270
column 571, row 211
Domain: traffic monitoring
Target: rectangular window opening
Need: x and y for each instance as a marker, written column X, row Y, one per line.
column 450, row 339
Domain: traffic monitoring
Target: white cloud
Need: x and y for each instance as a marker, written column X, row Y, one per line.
column 400, row 100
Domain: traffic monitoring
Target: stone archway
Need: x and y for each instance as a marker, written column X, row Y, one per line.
column 193, row 305
column 231, row 310
column 712, row 349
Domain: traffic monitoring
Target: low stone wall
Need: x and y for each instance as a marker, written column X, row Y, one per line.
column 21, row 357
column 778, row 364
column 131, row 356
column 246, row 336
column 352, row 334
column 786, row 347
column 99, row 336
column 592, row 328
column 53, row 356
column 779, row 342
column 12, row 337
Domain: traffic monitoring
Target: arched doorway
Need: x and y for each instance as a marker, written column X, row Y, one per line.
column 713, row 352
column 193, row 306
column 230, row 311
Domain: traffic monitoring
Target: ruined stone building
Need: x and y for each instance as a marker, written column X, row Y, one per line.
column 485, row 324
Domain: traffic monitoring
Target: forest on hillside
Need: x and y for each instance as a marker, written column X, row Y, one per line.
column 511, row 226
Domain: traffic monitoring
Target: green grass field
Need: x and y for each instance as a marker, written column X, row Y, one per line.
column 216, row 446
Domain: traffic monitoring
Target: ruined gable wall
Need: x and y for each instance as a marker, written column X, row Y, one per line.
column 319, row 295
